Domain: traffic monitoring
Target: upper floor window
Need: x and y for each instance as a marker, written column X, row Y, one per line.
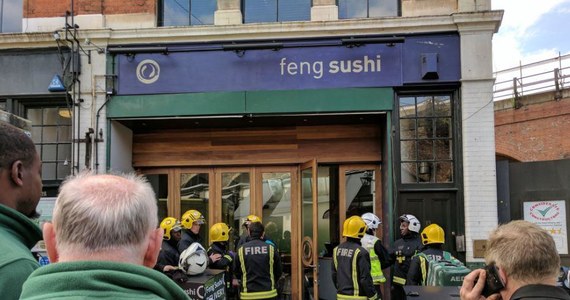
column 257, row 11
column 186, row 12
column 353, row 9
column 11, row 15
column 426, row 139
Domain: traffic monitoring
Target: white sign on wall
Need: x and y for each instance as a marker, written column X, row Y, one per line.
column 550, row 215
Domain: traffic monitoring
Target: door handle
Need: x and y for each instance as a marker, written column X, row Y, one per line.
column 312, row 266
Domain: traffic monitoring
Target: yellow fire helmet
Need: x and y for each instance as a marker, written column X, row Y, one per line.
column 190, row 217
column 169, row 224
column 354, row 227
column 252, row 219
column 433, row 234
column 219, row 232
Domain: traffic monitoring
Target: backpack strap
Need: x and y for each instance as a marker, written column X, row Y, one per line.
column 423, row 266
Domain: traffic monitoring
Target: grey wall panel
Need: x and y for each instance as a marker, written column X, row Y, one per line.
column 28, row 73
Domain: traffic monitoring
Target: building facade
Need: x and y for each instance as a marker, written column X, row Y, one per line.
column 301, row 112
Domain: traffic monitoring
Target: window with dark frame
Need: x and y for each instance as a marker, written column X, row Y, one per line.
column 426, row 139
column 186, row 12
column 51, row 132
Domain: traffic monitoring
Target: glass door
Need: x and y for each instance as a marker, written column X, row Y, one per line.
column 309, row 242
column 276, row 192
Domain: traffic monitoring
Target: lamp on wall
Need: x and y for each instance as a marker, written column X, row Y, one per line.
column 64, row 112
column 424, row 168
column 366, row 178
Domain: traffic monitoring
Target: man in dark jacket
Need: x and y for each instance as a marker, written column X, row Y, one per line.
column 169, row 256
column 219, row 236
column 20, row 192
column 402, row 252
column 192, row 220
column 351, row 264
column 526, row 260
column 258, row 266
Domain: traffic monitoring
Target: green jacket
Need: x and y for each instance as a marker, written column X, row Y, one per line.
column 99, row 280
column 18, row 234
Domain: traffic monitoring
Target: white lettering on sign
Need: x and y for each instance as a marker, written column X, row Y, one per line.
column 316, row 68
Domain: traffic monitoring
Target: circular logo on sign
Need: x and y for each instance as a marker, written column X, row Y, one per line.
column 148, row 71
column 544, row 211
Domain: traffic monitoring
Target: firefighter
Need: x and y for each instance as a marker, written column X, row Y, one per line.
column 168, row 257
column 433, row 238
column 351, row 264
column 258, row 266
column 378, row 253
column 192, row 220
column 402, row 252
column 219, row 236
column 244, row 238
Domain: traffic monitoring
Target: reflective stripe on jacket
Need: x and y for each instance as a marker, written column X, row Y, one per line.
column 368, row 242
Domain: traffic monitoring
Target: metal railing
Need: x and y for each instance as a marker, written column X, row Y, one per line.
column 534, row 78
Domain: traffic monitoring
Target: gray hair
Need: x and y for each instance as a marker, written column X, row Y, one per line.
column 526, row 252
column 103, row 212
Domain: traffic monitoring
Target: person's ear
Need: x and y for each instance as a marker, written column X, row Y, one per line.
column 153, row 247
column 16, row 173
column 50, row 241
column 502, row 275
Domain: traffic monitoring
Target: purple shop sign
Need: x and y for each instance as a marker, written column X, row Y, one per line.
column 371, row 65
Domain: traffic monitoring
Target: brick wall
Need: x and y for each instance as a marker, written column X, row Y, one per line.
column 538, row 131
column 50, row 8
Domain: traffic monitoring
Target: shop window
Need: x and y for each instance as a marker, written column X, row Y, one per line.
column 3, row 105
column 11, row 15
column 51, row 132
column 257, row 11
column 354, row 9
column 186, row 12
column 426, row 139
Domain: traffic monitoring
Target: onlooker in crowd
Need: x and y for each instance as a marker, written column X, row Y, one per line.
column 258, row 266
column 219, row 236
column 402, row 252
column 244, row 238
column 433, row 238
column 168, row 257
column 20, row 192
column 526, row 260
column 104, row 241
column 378, row 253
column 351, row 263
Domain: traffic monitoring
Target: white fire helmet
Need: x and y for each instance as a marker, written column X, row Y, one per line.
column 415, row 225
column 371, row 220
column 194, row 259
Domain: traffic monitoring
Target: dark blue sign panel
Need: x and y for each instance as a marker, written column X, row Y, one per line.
column 372, row 65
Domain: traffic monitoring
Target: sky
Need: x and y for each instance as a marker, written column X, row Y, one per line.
column 531, row 30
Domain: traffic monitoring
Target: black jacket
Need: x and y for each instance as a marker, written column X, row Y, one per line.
column 188, row 238
column 255, row 258
column 168, row 255
column 227, row 258
column 415, row 272
column 540, row 292
column 401, row 256
column 343, row 269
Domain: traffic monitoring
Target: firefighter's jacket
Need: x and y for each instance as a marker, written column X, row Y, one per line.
column 351, row 271
column 401, row 256
column 258, row 266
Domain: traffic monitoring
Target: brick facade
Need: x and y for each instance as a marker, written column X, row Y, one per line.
column 537, row 131
column 49, row 8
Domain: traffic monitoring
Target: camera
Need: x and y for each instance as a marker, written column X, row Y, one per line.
column 493, row 282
